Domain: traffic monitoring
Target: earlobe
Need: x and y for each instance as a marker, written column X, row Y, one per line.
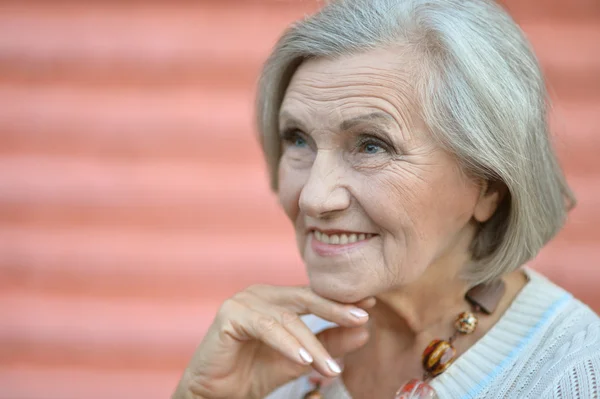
column 490, row 197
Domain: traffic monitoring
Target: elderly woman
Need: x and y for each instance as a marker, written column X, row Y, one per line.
column 407, row 141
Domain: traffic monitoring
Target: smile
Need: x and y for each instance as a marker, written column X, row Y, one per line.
column 341, row 238
column 335, row 243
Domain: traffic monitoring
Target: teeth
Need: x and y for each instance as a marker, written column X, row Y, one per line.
column 340, row 239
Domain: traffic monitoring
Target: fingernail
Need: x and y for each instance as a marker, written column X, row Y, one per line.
column 333, row 366
column 358, row 313
column 305, row 355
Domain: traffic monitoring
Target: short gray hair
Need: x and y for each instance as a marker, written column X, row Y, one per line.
column 480, row 92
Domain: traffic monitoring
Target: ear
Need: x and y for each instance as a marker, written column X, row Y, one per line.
column 490, row 197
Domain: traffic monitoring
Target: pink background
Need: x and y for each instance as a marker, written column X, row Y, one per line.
column 133, row 197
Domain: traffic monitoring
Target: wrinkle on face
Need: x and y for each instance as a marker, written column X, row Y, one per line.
column 341, row 88
column 417, row 200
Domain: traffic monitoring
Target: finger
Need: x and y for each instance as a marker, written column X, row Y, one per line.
column 323, row 361
column 290, row 320
column 302, row 300
column 269, row 330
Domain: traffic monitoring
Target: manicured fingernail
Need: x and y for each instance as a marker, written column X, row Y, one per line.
column 333, row 366
column 305, row 355
column 358, row 313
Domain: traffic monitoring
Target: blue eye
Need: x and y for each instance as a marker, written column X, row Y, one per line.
column 368, row 144
column 294, row 138
column 371, row 148
column 299, row 142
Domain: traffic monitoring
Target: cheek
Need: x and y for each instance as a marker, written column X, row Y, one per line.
column 290, row 181
column 394, row 199
column 419, row 208
column 432, row 206
column 454, row 198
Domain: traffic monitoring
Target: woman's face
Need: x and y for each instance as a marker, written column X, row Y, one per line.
column 374, row 201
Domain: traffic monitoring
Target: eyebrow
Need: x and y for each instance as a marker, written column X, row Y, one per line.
column 372, row 117
column 345, row 125
column 289, row 121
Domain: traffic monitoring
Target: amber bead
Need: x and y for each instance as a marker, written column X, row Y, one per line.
column 438, row 356
column 416, row 389
column 314, row 394
column 466, row 323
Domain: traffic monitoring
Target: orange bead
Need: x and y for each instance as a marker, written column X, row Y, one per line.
column 416, row 389
column 438, row 356
column 315, row 394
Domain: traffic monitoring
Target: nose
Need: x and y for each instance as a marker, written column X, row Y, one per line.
column 323, row 194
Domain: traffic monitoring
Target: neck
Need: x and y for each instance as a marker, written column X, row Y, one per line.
column 431, row 303
column 427, row 305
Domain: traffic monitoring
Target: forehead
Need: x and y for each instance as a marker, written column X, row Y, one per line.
column 326, row 90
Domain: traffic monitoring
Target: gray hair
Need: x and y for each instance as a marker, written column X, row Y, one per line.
column 480, row 92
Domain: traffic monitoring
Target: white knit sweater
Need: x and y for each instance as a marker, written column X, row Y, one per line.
column 546, row 345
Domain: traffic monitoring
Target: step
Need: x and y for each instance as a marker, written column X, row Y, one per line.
column 75, row 181
column 568, row 55
column 146, row 333
column 180, row 122
column 113, row 261
column 186, row 195
column 182, row 264
column 574, row 135
column 218, row 218
column 573, row 266
column 152, row 44
column 160, row 38
column 524, row 10
column 72, row 382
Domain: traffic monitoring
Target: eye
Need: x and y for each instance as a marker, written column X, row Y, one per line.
column 371, row 145
column 299, row 141
column 293, row 138
column 371, row 148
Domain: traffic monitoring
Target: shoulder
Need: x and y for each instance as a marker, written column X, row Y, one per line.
column 573, row 353
column 564, row 358
column 570, row 325
column 580, row 379
column 574, row 366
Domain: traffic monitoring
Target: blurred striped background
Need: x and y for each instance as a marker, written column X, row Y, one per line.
column 133, row 197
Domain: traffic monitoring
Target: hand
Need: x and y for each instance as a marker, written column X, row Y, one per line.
column 258, row 342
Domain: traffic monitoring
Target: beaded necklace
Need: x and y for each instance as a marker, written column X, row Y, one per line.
column 440, row 354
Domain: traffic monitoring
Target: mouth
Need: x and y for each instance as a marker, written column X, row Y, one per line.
column 331, row 243
column 340, row 238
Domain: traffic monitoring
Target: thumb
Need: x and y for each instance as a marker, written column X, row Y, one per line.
column 339, row 341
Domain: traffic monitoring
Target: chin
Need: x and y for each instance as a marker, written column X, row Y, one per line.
column 337, row 289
